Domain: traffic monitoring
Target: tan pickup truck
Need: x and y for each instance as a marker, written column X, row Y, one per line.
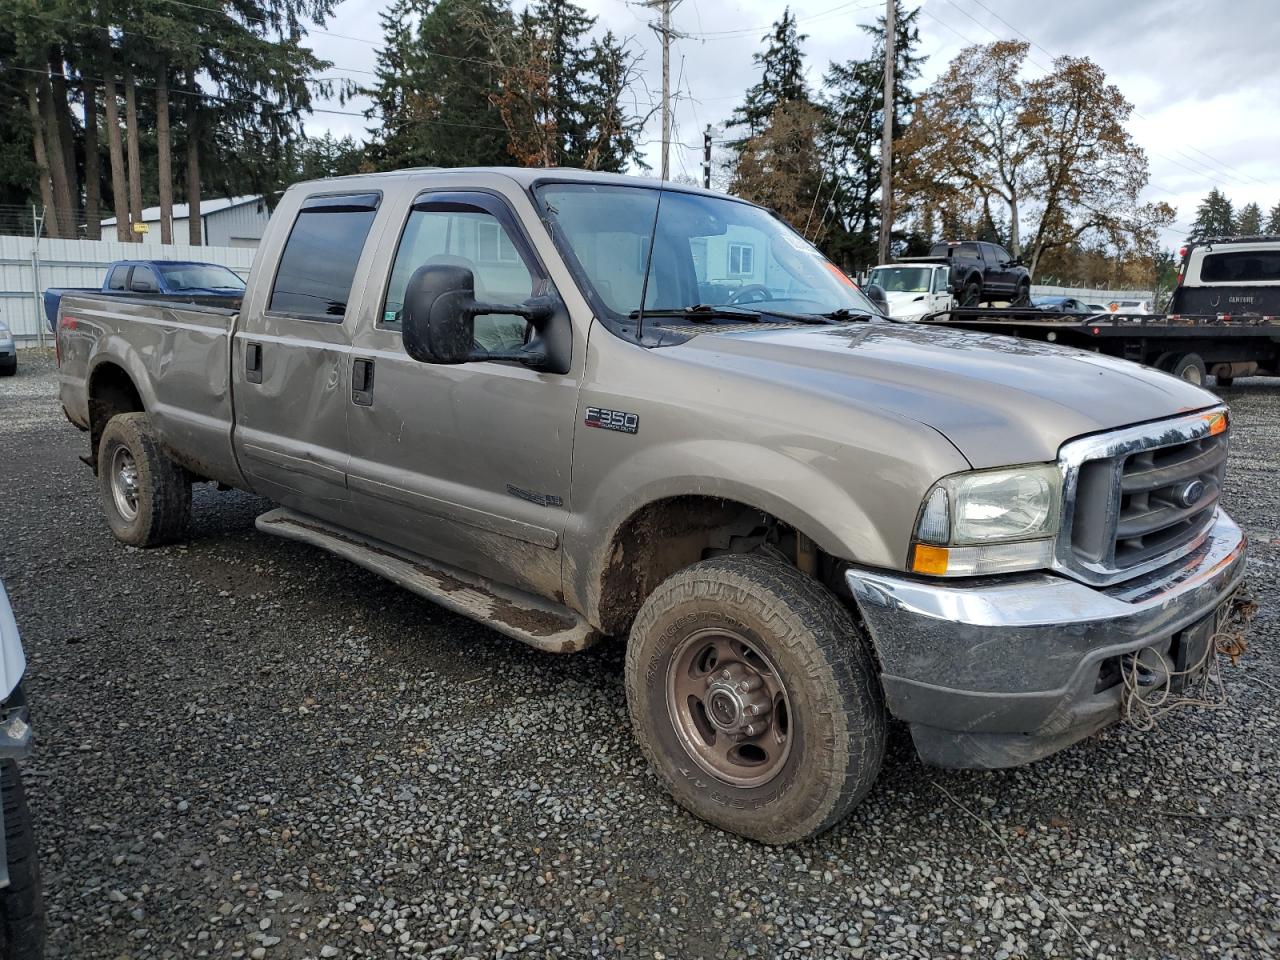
column 575, row 405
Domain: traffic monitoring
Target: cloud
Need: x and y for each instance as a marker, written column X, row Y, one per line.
column 1202, row 80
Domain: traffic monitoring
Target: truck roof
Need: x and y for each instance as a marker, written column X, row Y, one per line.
column 167, row 261
column 524, row 176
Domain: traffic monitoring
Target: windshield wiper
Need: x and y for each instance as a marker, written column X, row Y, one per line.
column 701, row 311
column 844, row 313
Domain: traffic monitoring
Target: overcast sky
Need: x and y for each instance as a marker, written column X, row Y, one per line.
column 1202, row 74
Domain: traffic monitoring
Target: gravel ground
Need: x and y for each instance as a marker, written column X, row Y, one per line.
column 248, row 748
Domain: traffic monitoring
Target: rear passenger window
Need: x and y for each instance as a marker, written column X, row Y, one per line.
column 117, row 278
column 970, row 250
column 1241, row 266
column 313, row 280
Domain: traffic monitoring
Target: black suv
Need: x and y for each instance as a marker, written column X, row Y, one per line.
column 983, row 272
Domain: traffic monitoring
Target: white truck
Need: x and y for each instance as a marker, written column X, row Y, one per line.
column 914, row 290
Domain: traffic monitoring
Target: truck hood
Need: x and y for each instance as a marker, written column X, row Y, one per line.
column 998, row 399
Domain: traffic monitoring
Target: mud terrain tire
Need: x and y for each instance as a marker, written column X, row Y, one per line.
column 805, row 644
column 145, row 495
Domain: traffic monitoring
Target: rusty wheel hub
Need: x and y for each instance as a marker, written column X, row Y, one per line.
column 729, row 707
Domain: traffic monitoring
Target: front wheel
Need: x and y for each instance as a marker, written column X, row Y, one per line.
column 755, row 698
column 22, row 901
column 1022, row 296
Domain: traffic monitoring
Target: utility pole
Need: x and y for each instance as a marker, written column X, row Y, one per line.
column 886, row 139
column 663, row 30
column 706, row 158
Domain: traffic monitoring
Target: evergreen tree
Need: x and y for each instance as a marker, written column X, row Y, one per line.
column 1214, row 217
column 780, row 166
column 434, row 76
column 565, row 27
column 1273, row 221
column 1249, row 222
column 781, row 78
column 327, row 156
column 607, row 138
column 854, row 103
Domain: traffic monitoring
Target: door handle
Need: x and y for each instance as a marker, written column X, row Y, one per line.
column 253, row 362
column 362, row 382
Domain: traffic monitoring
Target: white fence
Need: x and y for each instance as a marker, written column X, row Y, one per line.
column 28, row 268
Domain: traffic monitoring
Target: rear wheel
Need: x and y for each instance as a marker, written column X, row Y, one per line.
column 9, row 368
column 970, row 293
column 1189, row 367
column 754, row 698
column 145, row 495
column 22, row 902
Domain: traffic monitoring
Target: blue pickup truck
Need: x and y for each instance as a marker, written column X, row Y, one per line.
column 191, row 280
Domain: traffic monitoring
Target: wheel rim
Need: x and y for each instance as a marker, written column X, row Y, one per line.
column 730, row 707
column 124, row 483
column 1191, row 374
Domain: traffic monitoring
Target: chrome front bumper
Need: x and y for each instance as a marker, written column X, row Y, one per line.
column 999, row 671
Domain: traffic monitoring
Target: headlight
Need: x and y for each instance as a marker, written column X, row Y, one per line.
column 988, row 521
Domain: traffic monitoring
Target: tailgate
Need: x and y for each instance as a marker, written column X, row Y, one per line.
column 1226, row 298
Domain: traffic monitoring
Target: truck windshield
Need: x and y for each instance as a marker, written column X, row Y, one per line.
column 707, row 251
column 902, row 279
column 199, row 276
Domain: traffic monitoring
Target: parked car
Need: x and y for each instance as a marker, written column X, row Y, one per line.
column 913, row 290
column 200, row 282
column 8, row 351
column 1061, row 305
column 505, row 390
column 980, row 272
column 1129, row 306
column 22, row 920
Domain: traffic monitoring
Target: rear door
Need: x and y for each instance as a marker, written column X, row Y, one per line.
column 291, row 353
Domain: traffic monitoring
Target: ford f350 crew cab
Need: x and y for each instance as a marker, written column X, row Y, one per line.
column 576, row 405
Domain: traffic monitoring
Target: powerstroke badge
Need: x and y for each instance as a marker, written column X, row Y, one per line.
column 612, row 420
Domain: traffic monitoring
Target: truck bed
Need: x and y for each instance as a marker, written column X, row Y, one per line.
column 1226, row 346
column 183, row 351
column 1106, row 325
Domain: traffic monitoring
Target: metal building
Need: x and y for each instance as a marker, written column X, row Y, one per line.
column 226, row 221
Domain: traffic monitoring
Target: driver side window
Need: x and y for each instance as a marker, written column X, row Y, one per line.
column 472, row 238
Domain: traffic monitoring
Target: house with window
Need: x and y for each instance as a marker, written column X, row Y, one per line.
column 737, row 258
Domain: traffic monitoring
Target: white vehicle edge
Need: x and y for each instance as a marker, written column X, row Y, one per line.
column 929, row 291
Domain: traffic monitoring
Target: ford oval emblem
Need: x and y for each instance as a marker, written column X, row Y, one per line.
column 1191, row 493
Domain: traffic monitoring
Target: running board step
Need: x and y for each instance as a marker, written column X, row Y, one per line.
column 537, row 622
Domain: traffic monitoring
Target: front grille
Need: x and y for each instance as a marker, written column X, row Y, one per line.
column 1140, row 497
column 1156, row 513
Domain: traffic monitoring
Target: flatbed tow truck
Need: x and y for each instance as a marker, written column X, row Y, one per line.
column 1223, row 319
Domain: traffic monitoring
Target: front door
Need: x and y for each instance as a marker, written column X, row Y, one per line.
column 466, row 464
column 290, row 359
